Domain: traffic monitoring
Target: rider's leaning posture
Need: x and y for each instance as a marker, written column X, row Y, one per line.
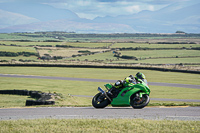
column 132, row 91
column 129, row 81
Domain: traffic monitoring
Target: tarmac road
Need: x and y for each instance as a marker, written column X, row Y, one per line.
column 154, row 113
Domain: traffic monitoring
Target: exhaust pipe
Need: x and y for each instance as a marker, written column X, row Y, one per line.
column 104, row 93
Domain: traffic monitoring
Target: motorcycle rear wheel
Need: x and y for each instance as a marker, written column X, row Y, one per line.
column 139, row 103
column 100, row 101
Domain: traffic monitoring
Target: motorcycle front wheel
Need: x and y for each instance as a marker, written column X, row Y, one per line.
column 100, row 101
column 138, row 103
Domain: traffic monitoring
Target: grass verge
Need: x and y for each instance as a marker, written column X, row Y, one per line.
column 100, row 73
column 82, row 88
column 66, row 87
column 99, row 125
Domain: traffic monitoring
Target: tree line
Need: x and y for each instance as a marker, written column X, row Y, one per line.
column 15, row 54
column 59, row 36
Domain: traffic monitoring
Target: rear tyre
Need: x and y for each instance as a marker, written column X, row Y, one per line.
column 138, row 103
column 100, row 101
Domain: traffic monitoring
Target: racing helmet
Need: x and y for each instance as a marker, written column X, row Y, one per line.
column 119, row 84
column 140, row 75
column 128, row 80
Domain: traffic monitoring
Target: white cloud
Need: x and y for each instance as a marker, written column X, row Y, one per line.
column 91, row 9
column 133, row 9
column 151, row 8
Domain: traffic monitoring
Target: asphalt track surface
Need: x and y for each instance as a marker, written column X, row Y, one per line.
column 110, row 81
column 153, row 113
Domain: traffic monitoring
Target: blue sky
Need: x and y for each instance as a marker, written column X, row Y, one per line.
column 99, row 8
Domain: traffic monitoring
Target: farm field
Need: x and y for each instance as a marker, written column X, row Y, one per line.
column 29, row 44
column 64, row 52
column 163, row 51
column 164, row 61
column 17, row 49
column 176, row 54
column 153, row 56
column 156, row 50
column 152, row 45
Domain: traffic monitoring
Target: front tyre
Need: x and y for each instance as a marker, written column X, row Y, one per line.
column 100, row 101
column 138, row 103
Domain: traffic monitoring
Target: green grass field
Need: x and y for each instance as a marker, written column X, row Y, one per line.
column 20, row 57
column 17, row 49
column 99, row 126
column 66, row 87
column 100, row 73
column 30, row 43
column 19, row 36
column 147, row 45
column 161, row 53
column 162, row 61
column 142, row 55
column 100, row 56
column 88, row 45
column 183, row 56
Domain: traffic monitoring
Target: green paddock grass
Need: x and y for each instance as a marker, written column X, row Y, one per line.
column 65, row 52
column 108, row 57
column 30, row 43
column 172, row 103
column 94, row 44
column 100, row 73
column 64, row 87
column 19, row 36
column 174, row 92
column 67, row 88
column 9, row 101
column 100, row 56
column 161, row 53
column 17, row 49
column 88, row 44
column 88, row 88
column 20, row 57
column 162, row 60
column 147, row 45
column 99, row 126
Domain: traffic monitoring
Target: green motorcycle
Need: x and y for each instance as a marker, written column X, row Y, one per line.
column 135, row 95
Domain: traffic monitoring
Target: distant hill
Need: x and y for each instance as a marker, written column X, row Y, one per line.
column 32, row 17
column 70, row 26
column 41, row 12
column 165, row 20
column 9, row 19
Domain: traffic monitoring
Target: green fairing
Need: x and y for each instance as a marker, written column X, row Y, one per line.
column 123, row 98
column 108, row 86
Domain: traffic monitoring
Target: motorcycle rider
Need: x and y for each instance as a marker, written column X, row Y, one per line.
column 130, row 80
column 141, row 76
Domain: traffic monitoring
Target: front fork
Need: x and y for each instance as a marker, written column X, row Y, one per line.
column 104, row 93
column 139, row 95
